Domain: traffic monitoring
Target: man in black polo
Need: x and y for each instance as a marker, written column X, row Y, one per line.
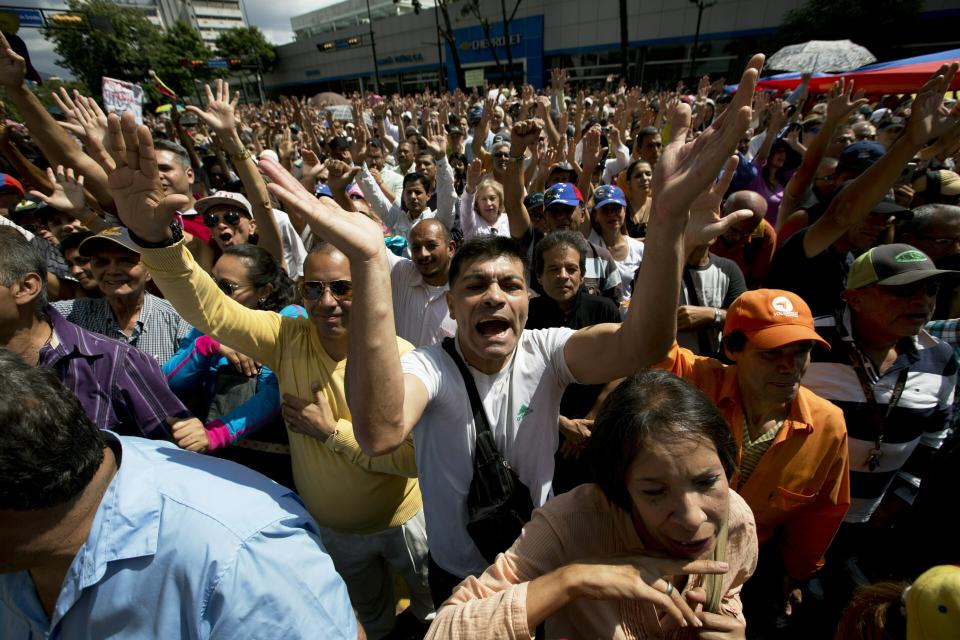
column 561, row 262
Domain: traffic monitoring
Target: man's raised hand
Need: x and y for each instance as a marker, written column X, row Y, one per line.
column 134, row 180
column 13, row 69
column 220, row 112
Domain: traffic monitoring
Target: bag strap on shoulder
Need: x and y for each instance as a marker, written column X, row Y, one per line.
column 479, row 414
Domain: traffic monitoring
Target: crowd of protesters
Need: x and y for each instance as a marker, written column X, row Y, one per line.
column 595, row 363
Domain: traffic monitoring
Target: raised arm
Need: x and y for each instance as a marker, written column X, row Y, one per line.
column 52, row 139
column 219, row 116
column 929, row 119
column 373, row 361
column 598, row 354
column 843, row 102
column 524, row 134
column 144, row 208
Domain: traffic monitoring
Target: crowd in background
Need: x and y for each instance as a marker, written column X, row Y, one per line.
column 700, row 346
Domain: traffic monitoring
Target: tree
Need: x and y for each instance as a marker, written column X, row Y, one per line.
column 114, row 41
column 181, row 41
column 447, row 32
column 874, row 24
column 248, row 43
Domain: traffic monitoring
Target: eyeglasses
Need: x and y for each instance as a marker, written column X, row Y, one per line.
column 231, row 218
column 501, row 154
column 312, row 290
column 229, row 288
column 929, row 286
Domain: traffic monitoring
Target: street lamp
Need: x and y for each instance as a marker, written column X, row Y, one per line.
column 701, row 5
column 373, row 47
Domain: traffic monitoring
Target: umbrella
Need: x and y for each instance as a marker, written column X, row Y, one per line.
column 821, row 55
column 166, row 107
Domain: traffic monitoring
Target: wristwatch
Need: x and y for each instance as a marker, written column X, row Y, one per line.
column 176, row 235
column 716, row 317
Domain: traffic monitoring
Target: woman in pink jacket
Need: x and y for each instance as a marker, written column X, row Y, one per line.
column 658, row 547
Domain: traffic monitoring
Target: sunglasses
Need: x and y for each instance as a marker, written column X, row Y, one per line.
column 231, row 218
column 312, row 290
column 501, row 154
column 229, row 288
column 930, row 287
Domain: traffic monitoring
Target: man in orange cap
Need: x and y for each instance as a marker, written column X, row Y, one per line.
column 792, row 445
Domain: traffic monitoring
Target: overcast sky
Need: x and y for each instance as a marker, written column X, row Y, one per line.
column 272, row 16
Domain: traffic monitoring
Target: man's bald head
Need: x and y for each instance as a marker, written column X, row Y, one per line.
column 746, row 200
column 429, row 227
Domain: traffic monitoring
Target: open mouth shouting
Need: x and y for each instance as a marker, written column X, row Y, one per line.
column 493, row 328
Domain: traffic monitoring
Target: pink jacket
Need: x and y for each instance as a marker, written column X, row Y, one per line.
column 573, row 526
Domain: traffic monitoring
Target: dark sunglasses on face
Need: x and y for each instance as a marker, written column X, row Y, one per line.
column 312, row 290
column 231, row 218
column 501, row 154
column 929, row 286
column 229, row 288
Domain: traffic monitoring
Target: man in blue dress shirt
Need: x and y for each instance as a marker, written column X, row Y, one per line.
column 106, row 536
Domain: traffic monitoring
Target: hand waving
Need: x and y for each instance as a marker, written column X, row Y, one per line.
column 67, row 193
column 134, row 180
column 220, row 112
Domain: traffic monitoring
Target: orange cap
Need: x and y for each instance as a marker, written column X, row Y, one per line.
column 771, row 318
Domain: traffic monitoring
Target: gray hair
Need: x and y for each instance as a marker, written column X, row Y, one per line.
column 19, row 258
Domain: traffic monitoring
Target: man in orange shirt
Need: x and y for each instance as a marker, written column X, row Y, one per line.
column 792, row 445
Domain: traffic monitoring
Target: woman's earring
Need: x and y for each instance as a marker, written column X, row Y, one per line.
column 262, row 300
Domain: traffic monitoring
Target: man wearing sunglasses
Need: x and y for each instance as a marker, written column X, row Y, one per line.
column 893, row 381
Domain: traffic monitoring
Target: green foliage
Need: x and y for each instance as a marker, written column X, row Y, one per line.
column 126, row 49
column 180, row 42
column 43, row 94
column 874, row 24
column 249, row 44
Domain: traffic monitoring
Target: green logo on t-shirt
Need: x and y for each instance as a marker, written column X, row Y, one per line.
column 910, row 256
column 523, row 412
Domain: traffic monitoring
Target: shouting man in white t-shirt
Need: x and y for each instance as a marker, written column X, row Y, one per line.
column 520, row 375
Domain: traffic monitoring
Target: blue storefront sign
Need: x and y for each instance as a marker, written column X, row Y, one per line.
column 526, row 42
column 28, row 17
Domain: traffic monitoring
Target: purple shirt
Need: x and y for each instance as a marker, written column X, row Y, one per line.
column 120, row 387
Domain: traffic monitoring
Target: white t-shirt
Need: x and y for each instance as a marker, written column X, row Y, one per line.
column 420, row 310
column 294, row 252
column 629, row 265
column 522, row 402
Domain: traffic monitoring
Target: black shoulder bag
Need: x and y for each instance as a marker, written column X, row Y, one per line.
column 498, row 504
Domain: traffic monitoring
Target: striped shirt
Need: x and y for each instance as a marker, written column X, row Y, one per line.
column 158, row 330
column 916, row 426
column 120, row 388
column 753, row 450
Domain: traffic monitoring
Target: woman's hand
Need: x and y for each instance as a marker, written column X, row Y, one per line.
column 189, row 434
column 639, row 577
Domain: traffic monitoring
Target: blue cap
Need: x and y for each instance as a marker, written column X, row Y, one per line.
column 562, row 193
column 534, row 200
column 858, row 156
column 322, row 190
column 605, row 194
column 474, row 114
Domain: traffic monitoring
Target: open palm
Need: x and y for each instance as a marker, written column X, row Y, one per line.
column 134, row 183
column 220, row 114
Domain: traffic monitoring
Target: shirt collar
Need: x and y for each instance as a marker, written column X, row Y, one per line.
column 127, row 523
column 68, row 340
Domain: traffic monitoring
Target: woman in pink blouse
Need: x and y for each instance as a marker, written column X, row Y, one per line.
column 658, row 547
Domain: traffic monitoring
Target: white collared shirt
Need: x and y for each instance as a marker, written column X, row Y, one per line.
column 419, row 310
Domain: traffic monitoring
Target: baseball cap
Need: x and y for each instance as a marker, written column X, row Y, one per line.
column 322, row 190
column 474, row 114
column 113, row 235
column 533, row 200
column 880, row 114
column 562, row 193
column 228, row 198
column 771, row 318
column 934, row 183
column 607, row 194
column 9, row 182
column 932, row 602
column 892, row 265
column 889, row 207
column 859, row 156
